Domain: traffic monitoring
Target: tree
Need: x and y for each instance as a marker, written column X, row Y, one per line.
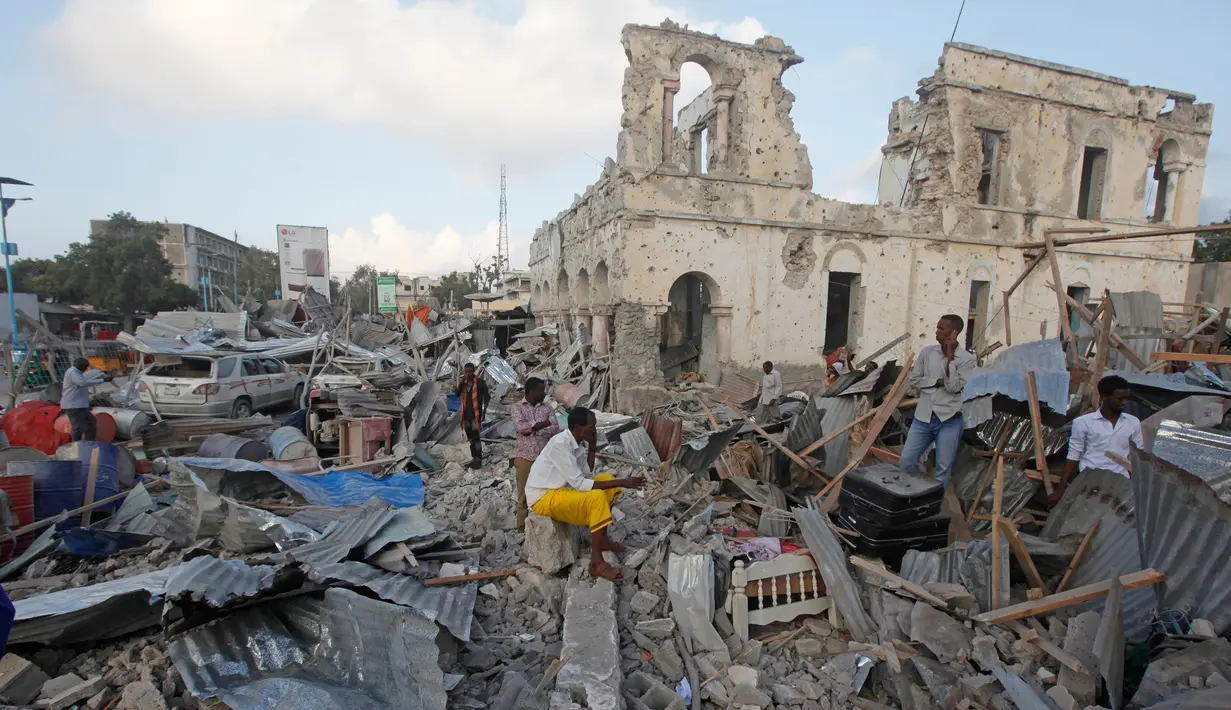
column 259, row 276
column 454, row 286
column 1214, row 246
column 29, row 276
column 486, row 274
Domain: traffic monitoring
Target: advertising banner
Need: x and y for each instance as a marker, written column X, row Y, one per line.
column 303, row 260
column 387, row 294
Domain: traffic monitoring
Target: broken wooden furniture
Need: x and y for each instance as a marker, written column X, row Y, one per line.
column 777, row 590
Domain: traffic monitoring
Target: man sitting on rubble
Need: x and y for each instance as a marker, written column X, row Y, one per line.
column 474, row 396
column 940, row 373
column 535, row 423
column 560, row 488
column 1109, row 430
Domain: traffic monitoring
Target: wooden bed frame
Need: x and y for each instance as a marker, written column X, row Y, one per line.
column 781, row 589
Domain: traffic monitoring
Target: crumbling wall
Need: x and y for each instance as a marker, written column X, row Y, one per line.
column 636, row 379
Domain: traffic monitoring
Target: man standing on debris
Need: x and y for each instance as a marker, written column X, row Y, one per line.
column 75, row 398
column 473, row 392
column 771, row 392
column 1109, row 430
column 940, row 373
column 535, row 423
column 560, row 488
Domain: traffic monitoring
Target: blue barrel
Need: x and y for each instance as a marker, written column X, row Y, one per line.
column 124, row 461
column 289, row 443
column 60, row 485
column 225, row 446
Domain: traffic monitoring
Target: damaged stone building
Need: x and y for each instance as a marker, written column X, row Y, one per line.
column 703, row 246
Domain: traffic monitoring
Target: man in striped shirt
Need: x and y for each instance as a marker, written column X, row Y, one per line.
column 535, row 423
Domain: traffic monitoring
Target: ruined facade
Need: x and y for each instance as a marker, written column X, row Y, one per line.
column 703, row 246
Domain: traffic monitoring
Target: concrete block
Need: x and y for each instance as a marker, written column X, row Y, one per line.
column 20, row 680
column 644, row 602
column 550, row 544
column 82, row 691
column 591, row 642
column 1079, row 641
column 652, row 694
column 59, row 684
column 667, row 660
column 743, row 675
column 943, row 635
column 657, row 628
column 142, row 695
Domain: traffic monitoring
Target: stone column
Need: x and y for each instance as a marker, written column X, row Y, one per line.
column 722, row 102
column 722, row 333
column 599, row 319
column 581, row 316
column 1173, row 170
column 670, row 87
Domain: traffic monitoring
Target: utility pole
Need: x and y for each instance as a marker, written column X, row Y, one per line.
column 502, row 241
column 9, row 251
column 235, row 261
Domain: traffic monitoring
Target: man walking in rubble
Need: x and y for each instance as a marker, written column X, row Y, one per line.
column 473, row 393
column 75, row 398
column 771, row 392
column 560, row 487
column 940, row 373
column 535, row 423
column 1102, row 436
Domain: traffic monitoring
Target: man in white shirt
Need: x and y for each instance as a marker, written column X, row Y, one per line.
column 1108, row 430
column 771, row 392
column 559, row 487
column 939, row 373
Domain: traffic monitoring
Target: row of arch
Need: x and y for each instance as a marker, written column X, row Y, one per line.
column 581, row 291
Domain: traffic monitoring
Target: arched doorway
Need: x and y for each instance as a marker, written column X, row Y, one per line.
column 689, row 328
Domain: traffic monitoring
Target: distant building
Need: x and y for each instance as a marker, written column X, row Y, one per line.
column 417, row 290
column 195, row 253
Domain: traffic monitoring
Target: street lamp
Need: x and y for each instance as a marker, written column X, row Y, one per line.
column 9, row 250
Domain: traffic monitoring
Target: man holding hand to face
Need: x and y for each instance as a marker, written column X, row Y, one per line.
column 939, row 374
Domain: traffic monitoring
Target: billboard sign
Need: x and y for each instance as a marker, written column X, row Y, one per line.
column 387, row 294
column 303, row 260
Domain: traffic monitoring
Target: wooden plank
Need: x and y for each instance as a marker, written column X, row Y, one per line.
column 1196, row 328
column 1136, row 580
column 882, row 417
column 709, row 414
column 91, row 481
column 1034, row 261
column 779, row 445
column 1126, row 235
column 1081, row 552
column 914, row 589
column 1008, row 329
column 1102, row 351
column 991, row 470
column 469, row 578
column 998, row 493
column 847, row 427
column 1116, row 340
column 1191, row 357
column 1023, row 555
column 1065, row 328
column 1036, row 426
column 1048, row 647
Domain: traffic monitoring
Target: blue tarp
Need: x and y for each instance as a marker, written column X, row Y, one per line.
column 1007, row 375
column 335, row 488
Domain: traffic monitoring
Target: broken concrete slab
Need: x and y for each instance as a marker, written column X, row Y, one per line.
column 20, row 680
column 549, row 544
column 142, row 695
column 667, row 660
column 644, row 602
column 591, row 644
column 71, row 696
column 657, row 628
column 1170, row 672
column 939, row 679
column 1079, row 642
column 944, row 636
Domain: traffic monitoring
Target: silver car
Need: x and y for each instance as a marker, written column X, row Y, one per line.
column 233, row 386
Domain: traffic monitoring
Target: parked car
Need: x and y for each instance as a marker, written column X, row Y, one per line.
column 234, row 386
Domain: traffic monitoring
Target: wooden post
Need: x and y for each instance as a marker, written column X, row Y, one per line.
column 987, row 477
column 90, row 481
column 1196, row 327
column 1058, row 286
column 1116, row 341
column 1008, row 328
column 1023, row 556
column 998, row 492
column 1036, row 426
column 1081, row 552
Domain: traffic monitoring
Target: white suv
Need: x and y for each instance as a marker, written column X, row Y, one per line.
column 233, row 386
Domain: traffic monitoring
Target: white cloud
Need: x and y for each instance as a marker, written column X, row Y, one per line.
column 441, row 73
column 856, row 182
column 388, row 245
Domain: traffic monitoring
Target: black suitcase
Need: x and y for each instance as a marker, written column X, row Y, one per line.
column 890, row 544
column 888, row 496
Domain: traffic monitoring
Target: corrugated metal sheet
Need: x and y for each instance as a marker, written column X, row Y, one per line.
column 736, row 390
column 177, row 436
column 865, row 385
column 233, row 325
column 372, row 335
column 666, row 433
column 831, row 560
column 1201, row 451
column 1185, row 532
column 1137, row 313
column 337, row 488
column 1165, row 382
column 451, row 606
column 969, row 472
column 344, row 537
column 1007, row 375
column 345, row 651
column 639, row 447
column 1021, row 434
column 407, row 524
column 697, row 455
column 218, row 582
column 834, row 413
column 93, row 613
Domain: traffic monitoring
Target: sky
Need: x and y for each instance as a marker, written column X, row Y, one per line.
column 387, row 121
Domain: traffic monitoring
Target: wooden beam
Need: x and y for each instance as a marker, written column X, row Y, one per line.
column 916, row 590
column 1036, row 426
column 1195, row 327
column 1066, row 329
column 709, row 414
column 1192, row 357
column 91, row 481
column 998, row 493
column 1034, row 261
column 1126, row 235
column 847, row 427
column 1077, row 556
column 1136, row 580
column 1023, row 555
column 778, row 445
column 882, row 417
column 987, row 475
column 1048, row 647
column 469, row 578
column 1008, row 328
column 1103, row 350
column 1116, row 340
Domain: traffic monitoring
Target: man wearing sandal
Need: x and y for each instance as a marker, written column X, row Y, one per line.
column 560, row 487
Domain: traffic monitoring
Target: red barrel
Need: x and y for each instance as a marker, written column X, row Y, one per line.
column 104, row 425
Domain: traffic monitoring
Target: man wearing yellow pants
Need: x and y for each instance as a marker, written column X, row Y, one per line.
column 560, row 487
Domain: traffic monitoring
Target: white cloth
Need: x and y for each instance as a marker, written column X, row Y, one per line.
column 771, row 387
column 562, row 464
column 1093, row 436
column 944, row 401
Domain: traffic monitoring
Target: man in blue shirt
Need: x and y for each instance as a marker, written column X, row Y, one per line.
column 75, row 398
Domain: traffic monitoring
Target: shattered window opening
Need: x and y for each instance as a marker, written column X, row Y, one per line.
column 976, row 317
column 840, row 308
column 1093, row 177
column 989, row 144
